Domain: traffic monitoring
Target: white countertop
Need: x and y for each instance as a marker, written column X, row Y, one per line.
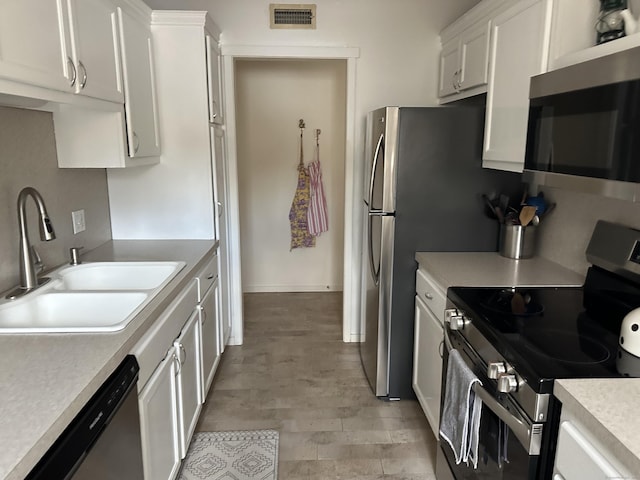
column 46, row 379
column 489, row 269
column 607, row 408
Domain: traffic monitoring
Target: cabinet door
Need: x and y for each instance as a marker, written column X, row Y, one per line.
column 159, row 421
column 32, row 49
column 213, row 81
column 474, row 56
column 219, row 163
column 519, row 51
column 139, row 87
column 211, row 335
column 188, row 347
column 95, row 48
column 449, row 68
column 427, row 363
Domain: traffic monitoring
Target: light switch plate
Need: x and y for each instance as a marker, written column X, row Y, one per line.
column 77, row 218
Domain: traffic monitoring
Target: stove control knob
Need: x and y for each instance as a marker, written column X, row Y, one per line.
column 507, row 383
column 455, row 319
column 495, row 369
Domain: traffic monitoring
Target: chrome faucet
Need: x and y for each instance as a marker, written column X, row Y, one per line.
column 28, row 274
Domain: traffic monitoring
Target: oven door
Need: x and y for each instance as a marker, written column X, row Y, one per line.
column 509, row 443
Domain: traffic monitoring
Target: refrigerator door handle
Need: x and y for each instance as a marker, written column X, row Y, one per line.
column 375, row 273
column 380, row 213
column 379, row 146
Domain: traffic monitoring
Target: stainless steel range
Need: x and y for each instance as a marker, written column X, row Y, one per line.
column 517, row 341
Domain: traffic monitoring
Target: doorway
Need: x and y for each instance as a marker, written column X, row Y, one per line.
column 351, row 255
column 272, row 96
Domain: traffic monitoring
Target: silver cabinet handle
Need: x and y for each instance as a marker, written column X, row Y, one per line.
column 182, row 351
column 74, row 73
column 136, row 143
column 176, row 360
column 83, row 82
column 441, row 349
column 214, row 113
column 428, row 295
column 204, row 315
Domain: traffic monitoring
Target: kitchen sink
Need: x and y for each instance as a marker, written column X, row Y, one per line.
column 90, row 297
column 59, row 312
column 117, row 275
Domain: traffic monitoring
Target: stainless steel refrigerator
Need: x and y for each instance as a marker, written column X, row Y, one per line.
column 423, row 192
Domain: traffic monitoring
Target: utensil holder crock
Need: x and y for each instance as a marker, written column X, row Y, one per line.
column 517, row 241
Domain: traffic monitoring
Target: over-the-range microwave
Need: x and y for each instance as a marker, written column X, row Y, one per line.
column 584, row 127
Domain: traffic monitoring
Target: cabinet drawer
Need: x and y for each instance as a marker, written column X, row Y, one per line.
column 207, row 276
column 153, row 346
column 429, row 291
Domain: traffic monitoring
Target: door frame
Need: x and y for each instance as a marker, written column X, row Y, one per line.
column 351, row 267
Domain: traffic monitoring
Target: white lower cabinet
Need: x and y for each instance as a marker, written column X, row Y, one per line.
column 189, row 380
column 428, row 346
column 211, row 334
column 158, row 402
column 427, row 360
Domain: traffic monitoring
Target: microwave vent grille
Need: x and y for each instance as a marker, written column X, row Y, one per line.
column 292, row 16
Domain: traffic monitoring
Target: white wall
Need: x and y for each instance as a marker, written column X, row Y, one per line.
column 271, row 97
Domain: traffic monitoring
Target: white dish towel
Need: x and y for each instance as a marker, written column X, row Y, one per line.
column 460, row 420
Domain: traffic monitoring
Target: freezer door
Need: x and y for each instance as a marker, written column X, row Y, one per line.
column 374, row 350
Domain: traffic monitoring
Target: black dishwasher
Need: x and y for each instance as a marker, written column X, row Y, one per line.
column 103, row 440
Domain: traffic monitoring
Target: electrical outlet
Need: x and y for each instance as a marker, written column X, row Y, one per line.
column 77, row 219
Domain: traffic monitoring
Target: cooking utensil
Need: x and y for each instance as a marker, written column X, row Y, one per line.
column 499, row 214
column 535, row 221
column 504, row 202
column 526, row 215
column 492, row 207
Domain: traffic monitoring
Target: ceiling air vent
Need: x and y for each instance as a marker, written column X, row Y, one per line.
column 292, row 15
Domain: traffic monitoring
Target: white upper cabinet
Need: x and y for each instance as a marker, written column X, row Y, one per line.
column 519, row 50
column 31, row 50
column 213, row 81
column 464, row 58
column 139, row 86
column 463, row 61
column 93, row 40
column 64, row 45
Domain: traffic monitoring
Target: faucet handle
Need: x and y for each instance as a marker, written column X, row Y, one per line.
column 74, row 253
column 37, row 260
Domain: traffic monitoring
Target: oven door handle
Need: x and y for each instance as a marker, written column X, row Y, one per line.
column 522, row 430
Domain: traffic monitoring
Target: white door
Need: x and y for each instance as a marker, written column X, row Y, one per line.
column 211, row 334
column 159, row 421
column 218, row 150
column 519, row 51
column 188, row 348
column 427, row 363
column 213, row 82
column 474, row 56
column 32, row 49
column 449, row 68
column 94, row 40
column 139, row 87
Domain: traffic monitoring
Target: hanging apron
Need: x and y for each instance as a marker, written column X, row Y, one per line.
column 300, row 236
column 317, row 217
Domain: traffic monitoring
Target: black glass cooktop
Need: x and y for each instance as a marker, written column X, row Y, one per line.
column 548, row 333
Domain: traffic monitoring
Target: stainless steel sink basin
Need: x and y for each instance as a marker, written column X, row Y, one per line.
column 117, row 275
column 90, row 297
column 57, row 312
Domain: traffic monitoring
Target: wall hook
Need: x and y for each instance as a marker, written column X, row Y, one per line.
column 318, row 132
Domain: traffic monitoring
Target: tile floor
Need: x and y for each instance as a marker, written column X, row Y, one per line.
column 294, row 374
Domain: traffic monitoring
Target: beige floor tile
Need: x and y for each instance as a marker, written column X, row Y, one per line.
column 295, row 374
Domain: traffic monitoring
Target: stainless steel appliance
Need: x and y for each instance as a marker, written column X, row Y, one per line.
column 519, row 340
column 423, row 192
column 583, row 124
column 103, row 441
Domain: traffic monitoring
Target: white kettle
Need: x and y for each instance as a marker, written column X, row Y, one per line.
column 631, row 25
column 628, row 359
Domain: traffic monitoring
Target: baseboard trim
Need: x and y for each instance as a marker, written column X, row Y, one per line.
column 290, row 288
